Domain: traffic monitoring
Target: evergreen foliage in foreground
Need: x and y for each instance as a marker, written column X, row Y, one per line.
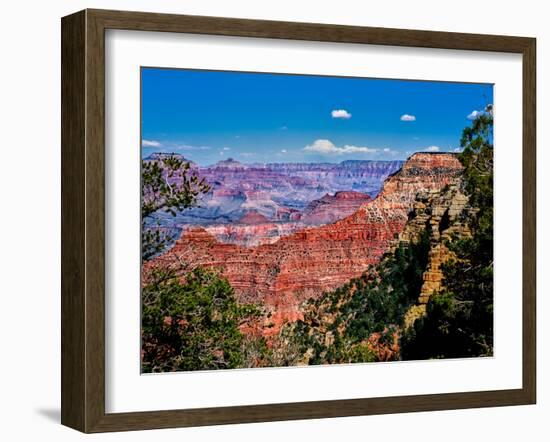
column 194, row 324
column 167, row 185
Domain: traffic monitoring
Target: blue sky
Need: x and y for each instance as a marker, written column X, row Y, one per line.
column 208, row 116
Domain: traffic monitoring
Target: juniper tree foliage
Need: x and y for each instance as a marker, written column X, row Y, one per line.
column 167, row 185
column 190, row 317
column 459, row 320
column 192, row 323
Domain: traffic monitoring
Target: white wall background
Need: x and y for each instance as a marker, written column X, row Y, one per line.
column 30, row 217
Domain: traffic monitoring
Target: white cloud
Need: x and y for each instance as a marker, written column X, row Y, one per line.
column 226, row 148
column 150, row 143
column 407, row 117
column 390, row 152
column 432, row 149
column 283, row 128
column 474, row 114
column 283, row 150
column 457, row 149
column 328, row 148
column 341, row 113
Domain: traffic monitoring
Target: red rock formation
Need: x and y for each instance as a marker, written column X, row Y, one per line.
column 254, row 229
column 331, row 208
column 306, row 263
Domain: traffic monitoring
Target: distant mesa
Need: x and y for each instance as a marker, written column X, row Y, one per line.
column 430, row 161
column 351, row 195
column 359, row 163
column 230, row 163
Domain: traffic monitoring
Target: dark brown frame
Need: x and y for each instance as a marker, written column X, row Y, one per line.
column 83, row 215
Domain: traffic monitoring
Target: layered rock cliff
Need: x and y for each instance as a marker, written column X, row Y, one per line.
column 308, row 262
column 445, row 215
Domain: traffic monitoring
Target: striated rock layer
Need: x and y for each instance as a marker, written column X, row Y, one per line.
column 308, row 262
column 446, row 215
column 331, row 208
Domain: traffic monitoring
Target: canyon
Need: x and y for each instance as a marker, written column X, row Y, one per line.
column 286, row 197
column 305, row 261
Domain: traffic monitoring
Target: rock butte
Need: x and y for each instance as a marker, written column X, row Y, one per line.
column 308, row 262
column 331, row 208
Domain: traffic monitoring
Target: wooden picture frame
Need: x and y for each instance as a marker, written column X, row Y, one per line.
column 83, row 220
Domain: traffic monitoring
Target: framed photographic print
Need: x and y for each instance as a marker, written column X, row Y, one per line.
column 267, row 221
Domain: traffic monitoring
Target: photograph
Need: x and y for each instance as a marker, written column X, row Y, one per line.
column 244, row 221
column 294, row 220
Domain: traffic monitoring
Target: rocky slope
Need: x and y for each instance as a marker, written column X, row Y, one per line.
column 308, row 262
